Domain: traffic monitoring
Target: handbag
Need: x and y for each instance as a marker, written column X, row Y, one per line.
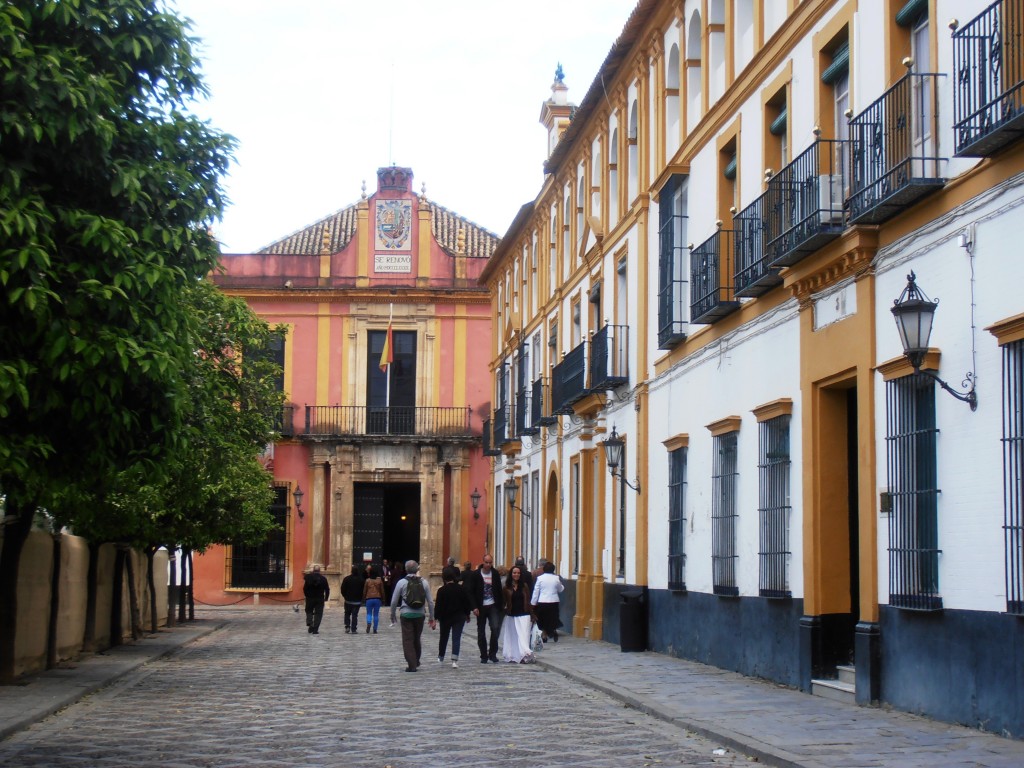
column 536, row 638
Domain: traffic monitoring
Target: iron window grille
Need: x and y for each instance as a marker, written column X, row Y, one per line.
column 913, row 490
column 1013, row 473
column 264, row 565
column 576, row 518
column 677, row 519
column 724, row 516
column 773, row 507
column 620, row 569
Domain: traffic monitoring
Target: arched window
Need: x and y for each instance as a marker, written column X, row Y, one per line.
column 633, row 161
column 694, row 75
column 613, row 175
column 672, row 105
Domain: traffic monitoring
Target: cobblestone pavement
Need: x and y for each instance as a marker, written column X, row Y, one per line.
column 261, row 691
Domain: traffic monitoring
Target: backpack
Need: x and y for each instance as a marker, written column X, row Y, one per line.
column 415, row 593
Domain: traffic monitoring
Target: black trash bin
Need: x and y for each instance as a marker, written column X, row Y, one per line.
column 633, row 620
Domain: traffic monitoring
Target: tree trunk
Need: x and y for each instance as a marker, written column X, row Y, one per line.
column 51, row 631
column 182, row 602
column 191, row 584
column 172, row 586
column 89, row 633
column 17, row 525
column 116, row 599
column 133, row 596
column 150, row 554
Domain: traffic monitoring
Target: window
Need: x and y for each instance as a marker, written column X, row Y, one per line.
column 263, row 565
column 673, row 265
column 911, row 470
column 391, row 393
column 533, row 549
column 1013, row 473
column 499, row 521
column 677, row 519
column 724, row 515
column 577, row 323
column 773, row 507
column 272, row 353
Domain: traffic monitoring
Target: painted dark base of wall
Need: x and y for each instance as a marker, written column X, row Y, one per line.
column 754, row 636
column 962, row 667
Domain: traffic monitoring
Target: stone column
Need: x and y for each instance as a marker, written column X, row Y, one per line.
column 342, row 510
column 316, row 545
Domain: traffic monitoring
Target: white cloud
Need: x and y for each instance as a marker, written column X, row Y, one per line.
column 320, row 93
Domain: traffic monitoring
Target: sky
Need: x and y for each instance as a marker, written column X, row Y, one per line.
column 321, row 93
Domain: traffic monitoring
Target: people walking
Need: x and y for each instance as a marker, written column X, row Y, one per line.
column 373, row 598
column 412, row 602
column 546, row 601
column 352, row 594
column 485, row 597
column 451, row 609
column 317, row 591
column 385, row 576
column 515, row 632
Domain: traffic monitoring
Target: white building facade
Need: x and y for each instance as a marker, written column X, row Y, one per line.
column 709, row 272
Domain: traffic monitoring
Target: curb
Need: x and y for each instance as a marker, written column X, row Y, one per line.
column 727, row 738
column 41, row 694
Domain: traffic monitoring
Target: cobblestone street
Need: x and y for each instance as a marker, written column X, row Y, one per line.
column 261, row 691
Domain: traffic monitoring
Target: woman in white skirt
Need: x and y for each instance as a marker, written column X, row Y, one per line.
column 515, row 632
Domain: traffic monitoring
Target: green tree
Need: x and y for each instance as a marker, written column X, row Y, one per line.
column 107, row 189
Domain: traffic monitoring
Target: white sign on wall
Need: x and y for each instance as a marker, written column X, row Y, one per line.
column 392, row 262
column 836, row 306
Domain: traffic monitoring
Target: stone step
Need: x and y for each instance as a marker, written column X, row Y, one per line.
column 835, row 690
column 847, row 674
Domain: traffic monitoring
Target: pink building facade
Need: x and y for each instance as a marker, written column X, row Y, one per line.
column 385, row 362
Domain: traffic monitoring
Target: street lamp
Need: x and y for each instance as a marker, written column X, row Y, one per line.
column 914, row 313
column 474, row 499
column 613, row 455
column 511, row 493
column 298, row 494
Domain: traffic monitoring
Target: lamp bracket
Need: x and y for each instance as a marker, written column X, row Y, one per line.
column 618, row 476
column 970, row 396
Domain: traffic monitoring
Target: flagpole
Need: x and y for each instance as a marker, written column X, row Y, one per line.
column 387, row 385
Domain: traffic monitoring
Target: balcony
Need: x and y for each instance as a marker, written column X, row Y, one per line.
column 806, row 202
column 489, row 449
column 711, row 269
column 499, row 425
column 609, row 358
column 754, row 275
column 284, row 423
column 988, row 95
column 375, row 422
column 521, row 410
column 541, row 398
column 893, row 162
column 569, row 380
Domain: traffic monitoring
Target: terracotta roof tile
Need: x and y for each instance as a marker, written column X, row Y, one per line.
column 340, row 227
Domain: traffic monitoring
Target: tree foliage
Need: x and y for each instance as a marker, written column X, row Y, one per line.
column 107, row 188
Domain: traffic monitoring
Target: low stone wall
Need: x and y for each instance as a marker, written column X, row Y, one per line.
column 34, row 589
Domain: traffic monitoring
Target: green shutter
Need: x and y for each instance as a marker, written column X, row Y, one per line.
column 840, row 65
column 911, row 12
column 778, row 126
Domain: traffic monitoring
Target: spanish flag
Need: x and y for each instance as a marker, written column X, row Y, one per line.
column 387, row 355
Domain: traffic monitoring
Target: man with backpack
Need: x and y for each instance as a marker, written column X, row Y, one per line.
column 412, row 602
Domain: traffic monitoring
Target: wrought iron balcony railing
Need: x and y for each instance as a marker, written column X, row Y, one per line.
column 609, row 357
column 672, row 288
column 542, row 404
column 988, row 95
column 521, row 410
column 806, row 202
column 371, row 421
column 569, row 380
column 711, row 272
column 489, row 446
column 754, row 274
column 284, row 421
column 893, row 160
column 499, row 425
